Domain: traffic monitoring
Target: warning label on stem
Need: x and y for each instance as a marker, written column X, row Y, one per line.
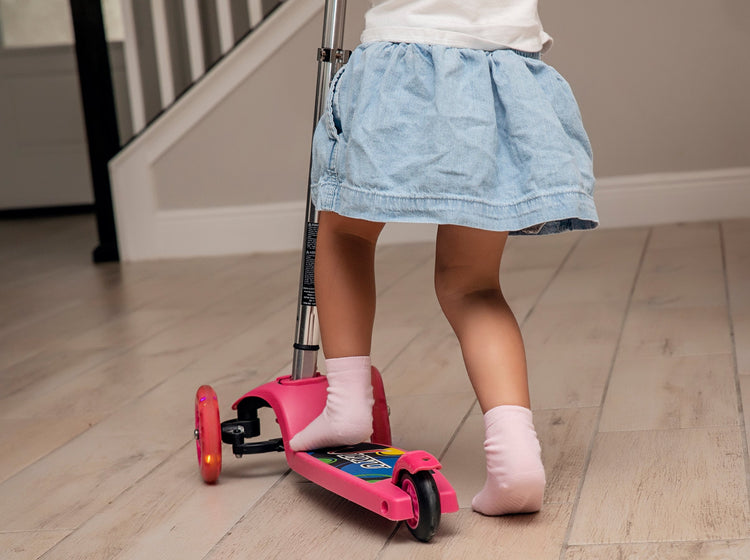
column 308, row 274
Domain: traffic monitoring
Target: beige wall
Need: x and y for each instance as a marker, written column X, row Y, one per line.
column 254, row 147
column 662, row 84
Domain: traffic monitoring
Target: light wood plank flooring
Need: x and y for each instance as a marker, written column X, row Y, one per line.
column 638, row 346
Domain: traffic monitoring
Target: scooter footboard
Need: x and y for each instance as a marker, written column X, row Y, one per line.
column 368, row 474
column 381, row 497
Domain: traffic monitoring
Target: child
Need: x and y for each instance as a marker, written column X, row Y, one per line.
column 445, row 114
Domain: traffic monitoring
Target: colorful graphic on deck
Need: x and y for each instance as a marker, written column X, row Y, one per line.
column 368, row 461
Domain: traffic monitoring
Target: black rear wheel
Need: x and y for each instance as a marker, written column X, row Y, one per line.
column 425, row 500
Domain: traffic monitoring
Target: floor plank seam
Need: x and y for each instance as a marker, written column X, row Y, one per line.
column 73, row 530
column 280, row 301
column 728, row 427
column 14, row 327
column 534, row 305
column 110, row 414
column 23, row 531
column 597, row 423
column 735, row 365
column 457, row 430
column 249, row 512
column 637, row 543
column 386, row 366
column 544, row 290
column 408, row 270
column 384, row 549
column 97, row 364
column 91, row 425
column 70, row 534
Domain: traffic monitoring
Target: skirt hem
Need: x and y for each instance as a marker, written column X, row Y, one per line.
column 560, row 209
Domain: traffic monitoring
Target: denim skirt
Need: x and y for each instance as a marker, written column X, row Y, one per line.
column 427, row 133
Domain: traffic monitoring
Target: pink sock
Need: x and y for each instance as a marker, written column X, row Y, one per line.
column 347, row 417
column 515, row 474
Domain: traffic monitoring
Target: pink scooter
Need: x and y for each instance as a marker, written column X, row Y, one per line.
column 399, row 485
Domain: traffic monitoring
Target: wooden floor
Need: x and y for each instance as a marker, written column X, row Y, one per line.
column 638, row 343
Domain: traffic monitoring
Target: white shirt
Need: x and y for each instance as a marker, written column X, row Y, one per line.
column 472, row 24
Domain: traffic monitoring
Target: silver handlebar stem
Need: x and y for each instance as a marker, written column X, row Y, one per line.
column 331, row 56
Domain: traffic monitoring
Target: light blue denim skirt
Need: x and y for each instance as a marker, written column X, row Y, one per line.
column 428, row 133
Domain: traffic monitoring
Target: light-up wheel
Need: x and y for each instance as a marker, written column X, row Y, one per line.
column 208, row 433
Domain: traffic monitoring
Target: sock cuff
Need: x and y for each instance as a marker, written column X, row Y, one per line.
column 335, row 365
column 508, row 413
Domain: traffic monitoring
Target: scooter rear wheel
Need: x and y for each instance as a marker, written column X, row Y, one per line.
column 208, row 433
column 425, row 500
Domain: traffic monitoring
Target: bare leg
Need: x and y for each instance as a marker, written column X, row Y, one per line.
column 467, row 268
column 345, row 293
column 467, row 283
column 345, row 284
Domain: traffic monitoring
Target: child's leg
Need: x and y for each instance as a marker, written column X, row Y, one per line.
column 345, row 294
column 467, row 268
column 468, row 288
column 345, row 283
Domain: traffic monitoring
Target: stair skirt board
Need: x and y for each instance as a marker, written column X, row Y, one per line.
column 627, row 201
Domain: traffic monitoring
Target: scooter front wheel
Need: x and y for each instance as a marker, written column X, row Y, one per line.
column 425, row 500
column 208, row 433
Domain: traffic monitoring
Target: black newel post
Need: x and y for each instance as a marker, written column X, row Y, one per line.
column 100, row 116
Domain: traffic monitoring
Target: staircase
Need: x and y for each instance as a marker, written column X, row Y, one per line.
column 223, row 168
column 170, row 45
column 219, row 160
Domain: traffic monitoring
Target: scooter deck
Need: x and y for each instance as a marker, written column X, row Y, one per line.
column 370, row 462
column 363, row 474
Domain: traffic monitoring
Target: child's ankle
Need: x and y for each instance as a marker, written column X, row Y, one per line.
column 515, row 475
column 347, row 416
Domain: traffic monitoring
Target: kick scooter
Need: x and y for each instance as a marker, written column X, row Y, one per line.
column 399, row 485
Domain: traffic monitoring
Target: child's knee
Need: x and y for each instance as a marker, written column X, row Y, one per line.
column 456, row 288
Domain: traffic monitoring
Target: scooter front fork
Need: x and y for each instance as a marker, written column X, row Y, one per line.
column 247, row 425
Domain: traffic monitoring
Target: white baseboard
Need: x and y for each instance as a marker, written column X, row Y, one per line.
column 249, row 229
column 639, row 200
column 662, row 198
